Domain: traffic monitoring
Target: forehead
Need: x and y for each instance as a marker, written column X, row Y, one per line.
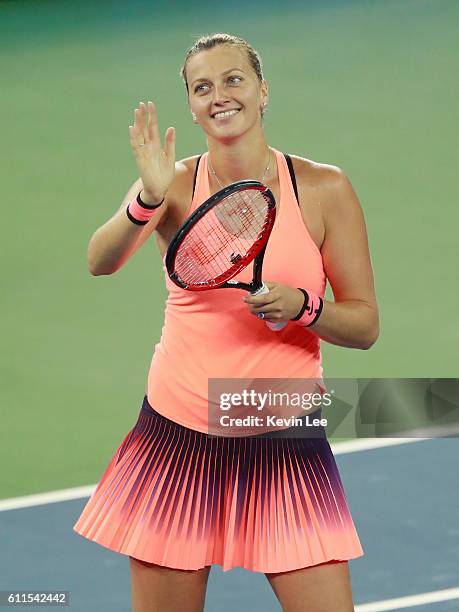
column 212, row 62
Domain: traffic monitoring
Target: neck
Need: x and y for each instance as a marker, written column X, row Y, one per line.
column 239, row 159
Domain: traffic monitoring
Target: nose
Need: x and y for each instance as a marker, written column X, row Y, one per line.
column 220, row 94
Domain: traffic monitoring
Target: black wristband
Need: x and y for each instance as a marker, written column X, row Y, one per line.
column 148, row 206
column 305, row 304
column 133, row 219
column 318, row 312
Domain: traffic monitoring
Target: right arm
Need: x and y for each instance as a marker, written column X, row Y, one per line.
column 118, row 239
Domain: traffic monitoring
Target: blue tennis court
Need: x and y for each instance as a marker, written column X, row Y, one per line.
column 403, row 498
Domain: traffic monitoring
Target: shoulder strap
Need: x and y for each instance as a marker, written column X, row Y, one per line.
column 195, row 175
column 288, row 159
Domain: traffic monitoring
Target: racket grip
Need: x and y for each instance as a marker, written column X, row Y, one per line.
column 272, row 326
column 276, row 326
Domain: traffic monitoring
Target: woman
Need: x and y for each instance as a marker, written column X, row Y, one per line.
column 173, row 498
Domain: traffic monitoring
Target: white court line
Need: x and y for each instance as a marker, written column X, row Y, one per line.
column 409, row 602
column 352, row 446
column 52, row 497
column 416, row 435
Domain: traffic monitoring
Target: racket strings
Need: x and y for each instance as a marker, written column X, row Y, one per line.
column 222, row 238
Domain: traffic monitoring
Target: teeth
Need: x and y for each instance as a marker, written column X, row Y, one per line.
column 226, row 114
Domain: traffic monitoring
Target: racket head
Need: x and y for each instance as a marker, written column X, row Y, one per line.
column 222, row 236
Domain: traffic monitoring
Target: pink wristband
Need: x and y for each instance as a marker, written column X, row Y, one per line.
column 140, row 213
column 311, row 309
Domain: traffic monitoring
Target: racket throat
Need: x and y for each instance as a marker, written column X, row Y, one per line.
column 252, row 288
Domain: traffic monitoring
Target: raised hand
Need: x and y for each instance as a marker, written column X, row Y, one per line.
column 156, row 165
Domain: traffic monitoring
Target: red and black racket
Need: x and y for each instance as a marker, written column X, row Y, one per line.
column 222, row 237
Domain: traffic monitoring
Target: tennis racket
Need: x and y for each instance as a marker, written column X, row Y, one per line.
column 222, row 237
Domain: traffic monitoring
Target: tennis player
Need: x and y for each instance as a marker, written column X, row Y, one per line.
column 174, row 498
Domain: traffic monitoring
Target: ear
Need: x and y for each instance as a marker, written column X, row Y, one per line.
column 264, row 92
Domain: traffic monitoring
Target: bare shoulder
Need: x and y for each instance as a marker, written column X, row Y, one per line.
column 186, row 167
column 329, row 183
column 316, row 174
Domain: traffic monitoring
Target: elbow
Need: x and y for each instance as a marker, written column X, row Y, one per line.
column 93, row 261
column 92, row 268
column 95, row 271
column 370, row 337
column 368, row 343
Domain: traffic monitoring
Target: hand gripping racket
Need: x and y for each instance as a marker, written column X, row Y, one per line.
column 222, row 237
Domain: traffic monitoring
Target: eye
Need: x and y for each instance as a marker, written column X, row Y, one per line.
column 231, row 78
column 199, row 88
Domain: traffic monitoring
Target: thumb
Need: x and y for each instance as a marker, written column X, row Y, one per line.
column 169, row 144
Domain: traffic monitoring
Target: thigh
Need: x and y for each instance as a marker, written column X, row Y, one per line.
column 155, row 588
column 319, row 588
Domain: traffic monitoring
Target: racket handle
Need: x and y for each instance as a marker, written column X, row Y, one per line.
column 276, row 326
column 272, row 326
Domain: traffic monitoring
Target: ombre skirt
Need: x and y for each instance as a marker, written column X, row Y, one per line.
column 183, row 499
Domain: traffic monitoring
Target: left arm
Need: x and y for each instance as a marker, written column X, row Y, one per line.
column 352, row 320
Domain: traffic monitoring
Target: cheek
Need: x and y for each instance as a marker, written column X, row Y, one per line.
column 250, row 99
column 198, row 106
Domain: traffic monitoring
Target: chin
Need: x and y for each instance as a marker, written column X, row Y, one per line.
column 224, row 133
column 228, row 133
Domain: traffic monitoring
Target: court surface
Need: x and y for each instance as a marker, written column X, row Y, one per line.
column 403, row 499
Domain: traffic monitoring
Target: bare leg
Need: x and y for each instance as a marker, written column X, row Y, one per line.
column 320, row 588
column 163, row 589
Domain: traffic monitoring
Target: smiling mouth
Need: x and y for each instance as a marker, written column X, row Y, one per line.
column 224, row 114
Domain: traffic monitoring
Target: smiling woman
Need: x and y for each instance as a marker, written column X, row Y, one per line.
column 221, row 96
column 174, row 498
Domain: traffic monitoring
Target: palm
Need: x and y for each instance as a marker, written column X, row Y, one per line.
column 156, row 165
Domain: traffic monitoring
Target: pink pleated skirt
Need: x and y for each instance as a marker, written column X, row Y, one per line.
column 183, row 499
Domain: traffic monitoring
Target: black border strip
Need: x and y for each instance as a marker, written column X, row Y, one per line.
column 195, row 175
column 288, row 159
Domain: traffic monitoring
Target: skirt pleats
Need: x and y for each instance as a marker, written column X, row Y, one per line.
column 182, row 499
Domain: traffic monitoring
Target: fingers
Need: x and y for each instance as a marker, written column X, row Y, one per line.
column 136, row 142
column 136, row 131
column 280, row 303
column 145, row 130
column 260, row 300
column 169, row 143
column 264, row 302
column 152, row 131
column 140, row 122
column 271, row 312
column 267, row 307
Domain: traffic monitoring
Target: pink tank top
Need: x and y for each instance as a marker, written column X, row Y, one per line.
column 212, row 334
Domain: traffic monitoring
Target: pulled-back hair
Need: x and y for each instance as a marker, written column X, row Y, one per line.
column 214, row 40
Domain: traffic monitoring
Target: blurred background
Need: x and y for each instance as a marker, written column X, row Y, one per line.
column 367, row 86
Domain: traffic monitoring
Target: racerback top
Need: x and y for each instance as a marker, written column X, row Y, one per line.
column 212, row 334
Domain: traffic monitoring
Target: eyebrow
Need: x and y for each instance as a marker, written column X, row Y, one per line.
column 226, row 72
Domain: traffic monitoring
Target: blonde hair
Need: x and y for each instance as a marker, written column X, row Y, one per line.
column 214, row 40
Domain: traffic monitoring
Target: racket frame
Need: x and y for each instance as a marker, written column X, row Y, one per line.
column 256, row 252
